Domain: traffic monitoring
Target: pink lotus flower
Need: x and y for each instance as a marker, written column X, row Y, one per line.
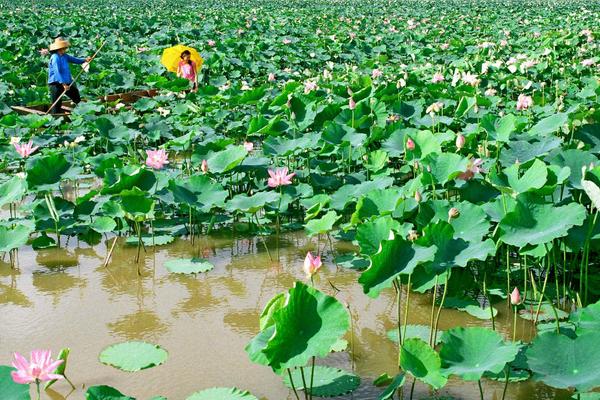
column 211, row 43
column 490, row 92
column 44, row 52
column 352, row 35
column 309, row 86
column 588, row 63
column 39, row 369
column 460, row 141
column 444, row 46
column 279, row 177
column 418, row 196
column 437, row 77
column 515, row 297
column 410, row 144
column 470, row 79
column 271, row 77
column 351, row 104
column 473, row 167
column 156, row 158
column 376, row 73
column 503, row 42
column 142, row 49
column 204, row 166
column 249, row 146
column 401, row 83
column 524, row 102
column 287, row 41
column 25, row 150
column 311, row 264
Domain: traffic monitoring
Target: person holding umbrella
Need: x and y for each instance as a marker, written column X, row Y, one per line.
column 59, row 74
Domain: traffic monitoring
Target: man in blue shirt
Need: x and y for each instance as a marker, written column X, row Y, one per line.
column 59, row 74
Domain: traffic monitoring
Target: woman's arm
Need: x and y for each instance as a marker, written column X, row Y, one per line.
column 74, row 60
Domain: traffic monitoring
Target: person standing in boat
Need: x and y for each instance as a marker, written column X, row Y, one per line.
column 59, row 73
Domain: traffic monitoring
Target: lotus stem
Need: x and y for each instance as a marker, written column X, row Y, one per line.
column 264, row 242
column 37, row 384
column 435, row 287
column 439, row 312
column 292, row 384
column 304, row 383
column 407, row 303
column 109, row 254
column 507, row 378
column 412, row 388
column 312, row 376
column 539, row 306
column 480, row 389
column 398, row 287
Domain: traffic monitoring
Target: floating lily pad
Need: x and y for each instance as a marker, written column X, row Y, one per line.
column 133, row 356
column 188, row 265
column 104, row 392
column 222, row 394
column 327, row 381
column 9, row 389
column 158, row 240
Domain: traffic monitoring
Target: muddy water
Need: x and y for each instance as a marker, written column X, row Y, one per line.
column 65, row 298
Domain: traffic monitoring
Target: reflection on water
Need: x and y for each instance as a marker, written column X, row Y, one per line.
column 65, row 297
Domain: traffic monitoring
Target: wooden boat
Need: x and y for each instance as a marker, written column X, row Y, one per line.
column 125, row 98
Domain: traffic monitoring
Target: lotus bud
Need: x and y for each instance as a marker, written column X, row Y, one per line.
column 293, row 115
column 351, row 104
column 515, row 297
column 350, row 92
column 410, row 144
column 418, row 197
column 460, row 141
column 453, row 213
column 204, row 166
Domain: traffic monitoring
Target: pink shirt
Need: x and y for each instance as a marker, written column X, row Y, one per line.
column 187, row 71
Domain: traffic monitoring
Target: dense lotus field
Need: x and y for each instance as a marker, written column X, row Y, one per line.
column 454, row 143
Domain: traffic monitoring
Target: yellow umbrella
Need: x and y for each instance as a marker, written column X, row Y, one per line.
column 172, row 56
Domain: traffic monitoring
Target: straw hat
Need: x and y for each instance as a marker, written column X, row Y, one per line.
column 59, row 43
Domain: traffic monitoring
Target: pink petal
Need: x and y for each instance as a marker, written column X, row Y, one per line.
column 18, row 377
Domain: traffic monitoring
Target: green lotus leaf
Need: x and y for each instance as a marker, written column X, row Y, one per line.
column 470, row 225
column 226, row 160
column 587, row 396
column 221, row 394
column 350, row 193
column 127, row 178
column 422, row 362
column 563, row 363
column 587, row 319
column 255, row 347
column 104, row 392
column 13, row 238
column 546, row 313
column 46, row 172
column 370, row 234
column 103, row 224
column 523, row 151
column 534, row 176
column 549, row 125
column 309, row 325
column 396, row 256
column 396, row 384
column 188, row 265
column 251, row 204
column 150, row 241
column 136, row 205
column 575, row 159
column 425, row 143
column 470, row 352
column 327, row 381
column 12, row 190
column 376, row 203
column 480, row 312
column 536, row 223
column 133, row 356
column 445, row 166
column 208, row 193
column 322, row 225
column 10, row 389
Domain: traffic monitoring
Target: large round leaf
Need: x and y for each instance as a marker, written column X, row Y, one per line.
column 12, row 190
column 47, row 171
column 8, row 388
column 470, row 352
column 309, row 325
column 133, row 356
column 322, row 225
column 397, row 256
column 251, row 204
column 587, row 319
column 226, row 160
column 13, row 238
column 422, row 362
column 105, row 393
column 562, row 362
column 327, row 381
column 534, row 223
column 221, row 394
column 188, row 265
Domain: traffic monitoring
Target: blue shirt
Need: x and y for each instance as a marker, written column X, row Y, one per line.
column 58, row 68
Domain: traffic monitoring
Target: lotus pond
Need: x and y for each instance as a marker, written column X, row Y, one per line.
column 368, row 200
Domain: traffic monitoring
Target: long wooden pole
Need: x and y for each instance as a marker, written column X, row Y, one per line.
column 76, row 77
